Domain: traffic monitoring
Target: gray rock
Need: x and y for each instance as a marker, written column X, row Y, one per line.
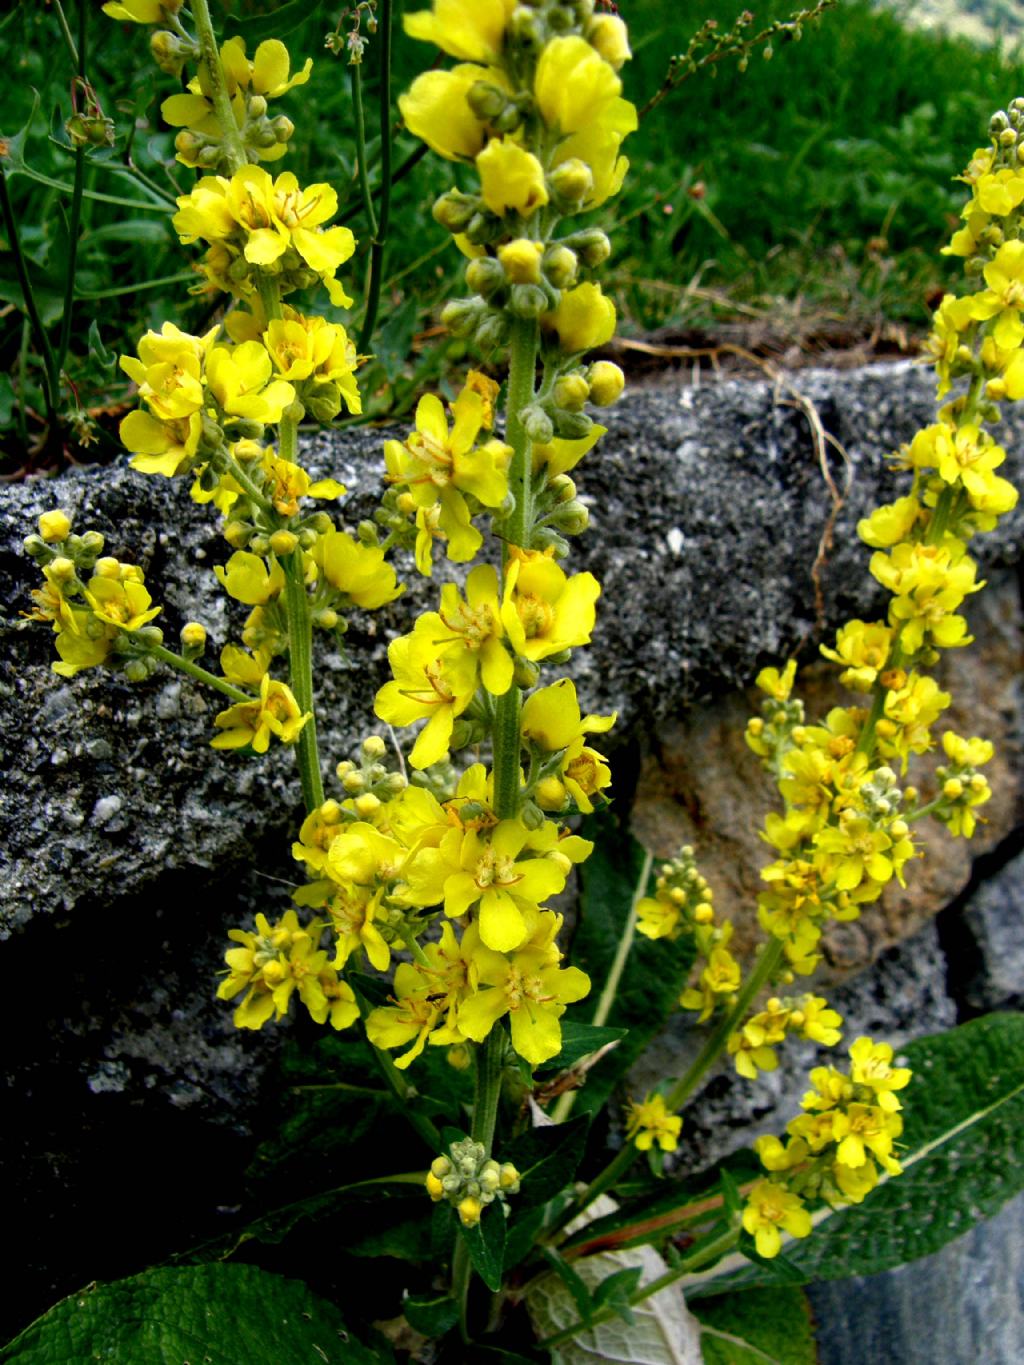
column 962, row 1306
column 994, row 920
column 129, row 845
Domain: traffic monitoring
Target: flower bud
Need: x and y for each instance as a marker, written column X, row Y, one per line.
column 374, row 747
column 571, row 391
column 560, row 265
column 459, row 1057
column 62, row 569
column 607, row 33
column 572, row 518
column 527, row 301
column 492, row 332
column 283, row 128
column 257, row 106
column 520, row 260
column 284, row 542
column 462, row 316
column 572, row 426
column 606, row 383
column 593, row 245
column 454, row 210
column 136, row 670
column 237, row 534
column 551, row 794
column 367, row 805
column 486, row 100
column 526, row 673
column 572, row 182
column 171, row 52
column 323, row 400
column 509, row 1177
column 485, row 276
column 953, row 789
column 193, row 636
column 525, row 30
column 54, row 526
column 469, row 1212
column 537, row 424
column 547, row 538
column 108, row 567
column 434, row 1187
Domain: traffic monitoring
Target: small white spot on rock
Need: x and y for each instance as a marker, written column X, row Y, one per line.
column 105, row 809
column 675, row 540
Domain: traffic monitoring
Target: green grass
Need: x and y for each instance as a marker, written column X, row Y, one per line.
column 820, row 182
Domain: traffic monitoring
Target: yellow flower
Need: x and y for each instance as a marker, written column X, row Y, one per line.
column 1004, row 297
column 247, row 578
column 409, row 1020
column 608, row 34
column 169, row 371
column 275, row 712
column 122, row 604
column 436, row 109
column 561, row 454
column 543, row 611
column 142, row 11
column 864, row 1128
column 82, row 642
column 584, row 318
column 359, row 571
column 551, row 719
column 862, row 650
column 889, row 524
column 239, row 377
column 529, row 987
column 509, row 888
column 650, row 1122
column 721, row 977
column 304, row 348
column 474, row 623
column 573, row 84
column 511, row 179
column 426, row 686
column 440, row 467
column 597, row 145
column 769, row 1208
column 166, row 448
column 872, row 1066
column 929, row 583
column 471, row 29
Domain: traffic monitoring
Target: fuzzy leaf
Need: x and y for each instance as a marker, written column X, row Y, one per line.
column 663, row 1331
column 762, row 1327
column 228, row 1314
column 655, row 971
column 431, row 1316
column 486, row 1242
column 962, row 1152
column 579, row 1041
column 546, row 1159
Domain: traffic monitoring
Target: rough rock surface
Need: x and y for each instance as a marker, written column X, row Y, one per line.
column 129, row 845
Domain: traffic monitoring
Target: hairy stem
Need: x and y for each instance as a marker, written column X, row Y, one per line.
column 168, row 656
column 210, row 59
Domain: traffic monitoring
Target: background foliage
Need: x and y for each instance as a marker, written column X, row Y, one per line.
column 811, row 192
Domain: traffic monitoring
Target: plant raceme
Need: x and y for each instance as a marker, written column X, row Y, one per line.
column 442, row 884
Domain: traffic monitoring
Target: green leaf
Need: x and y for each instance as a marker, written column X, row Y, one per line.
column 7, row 400
column 655, row 971
column 579, row 1041
column 546, row 1159
column 486, row 1242
column 227, row 1314
column 763, row 1327
column 431, row 1316
column 614, row 1292
column 278, row 22
column 962, row 1152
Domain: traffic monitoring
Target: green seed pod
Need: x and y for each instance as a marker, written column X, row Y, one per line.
column 537, row 424
column 485, row 276
column 527, row 301
column 487, row 101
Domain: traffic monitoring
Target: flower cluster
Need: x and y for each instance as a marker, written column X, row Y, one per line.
column 649, row 1122
column 470, row 1180
column 99, row 607
column 835, row 1148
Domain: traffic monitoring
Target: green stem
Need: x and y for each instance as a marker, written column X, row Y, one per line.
column 563, row 1108
column 29, row 298
column 408, row 937
column 771, row 958
column 380, row 229
column 699, row 1257
column 356, row 84
column 168, row 656
column 489, row 1057
column 66, row 32
column 74, row 225
column 507, row 750
column 522, row 370
column 300, row 676
column 270, row 295
column 231, row 139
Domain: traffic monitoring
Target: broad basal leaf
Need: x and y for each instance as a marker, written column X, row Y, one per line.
column 962, row 1152
column 221, row 1314
column 759, row 1327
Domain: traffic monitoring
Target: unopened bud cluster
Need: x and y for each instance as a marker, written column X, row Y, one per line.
column 682, row 899
column 470, row 1180
column 369, row 782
